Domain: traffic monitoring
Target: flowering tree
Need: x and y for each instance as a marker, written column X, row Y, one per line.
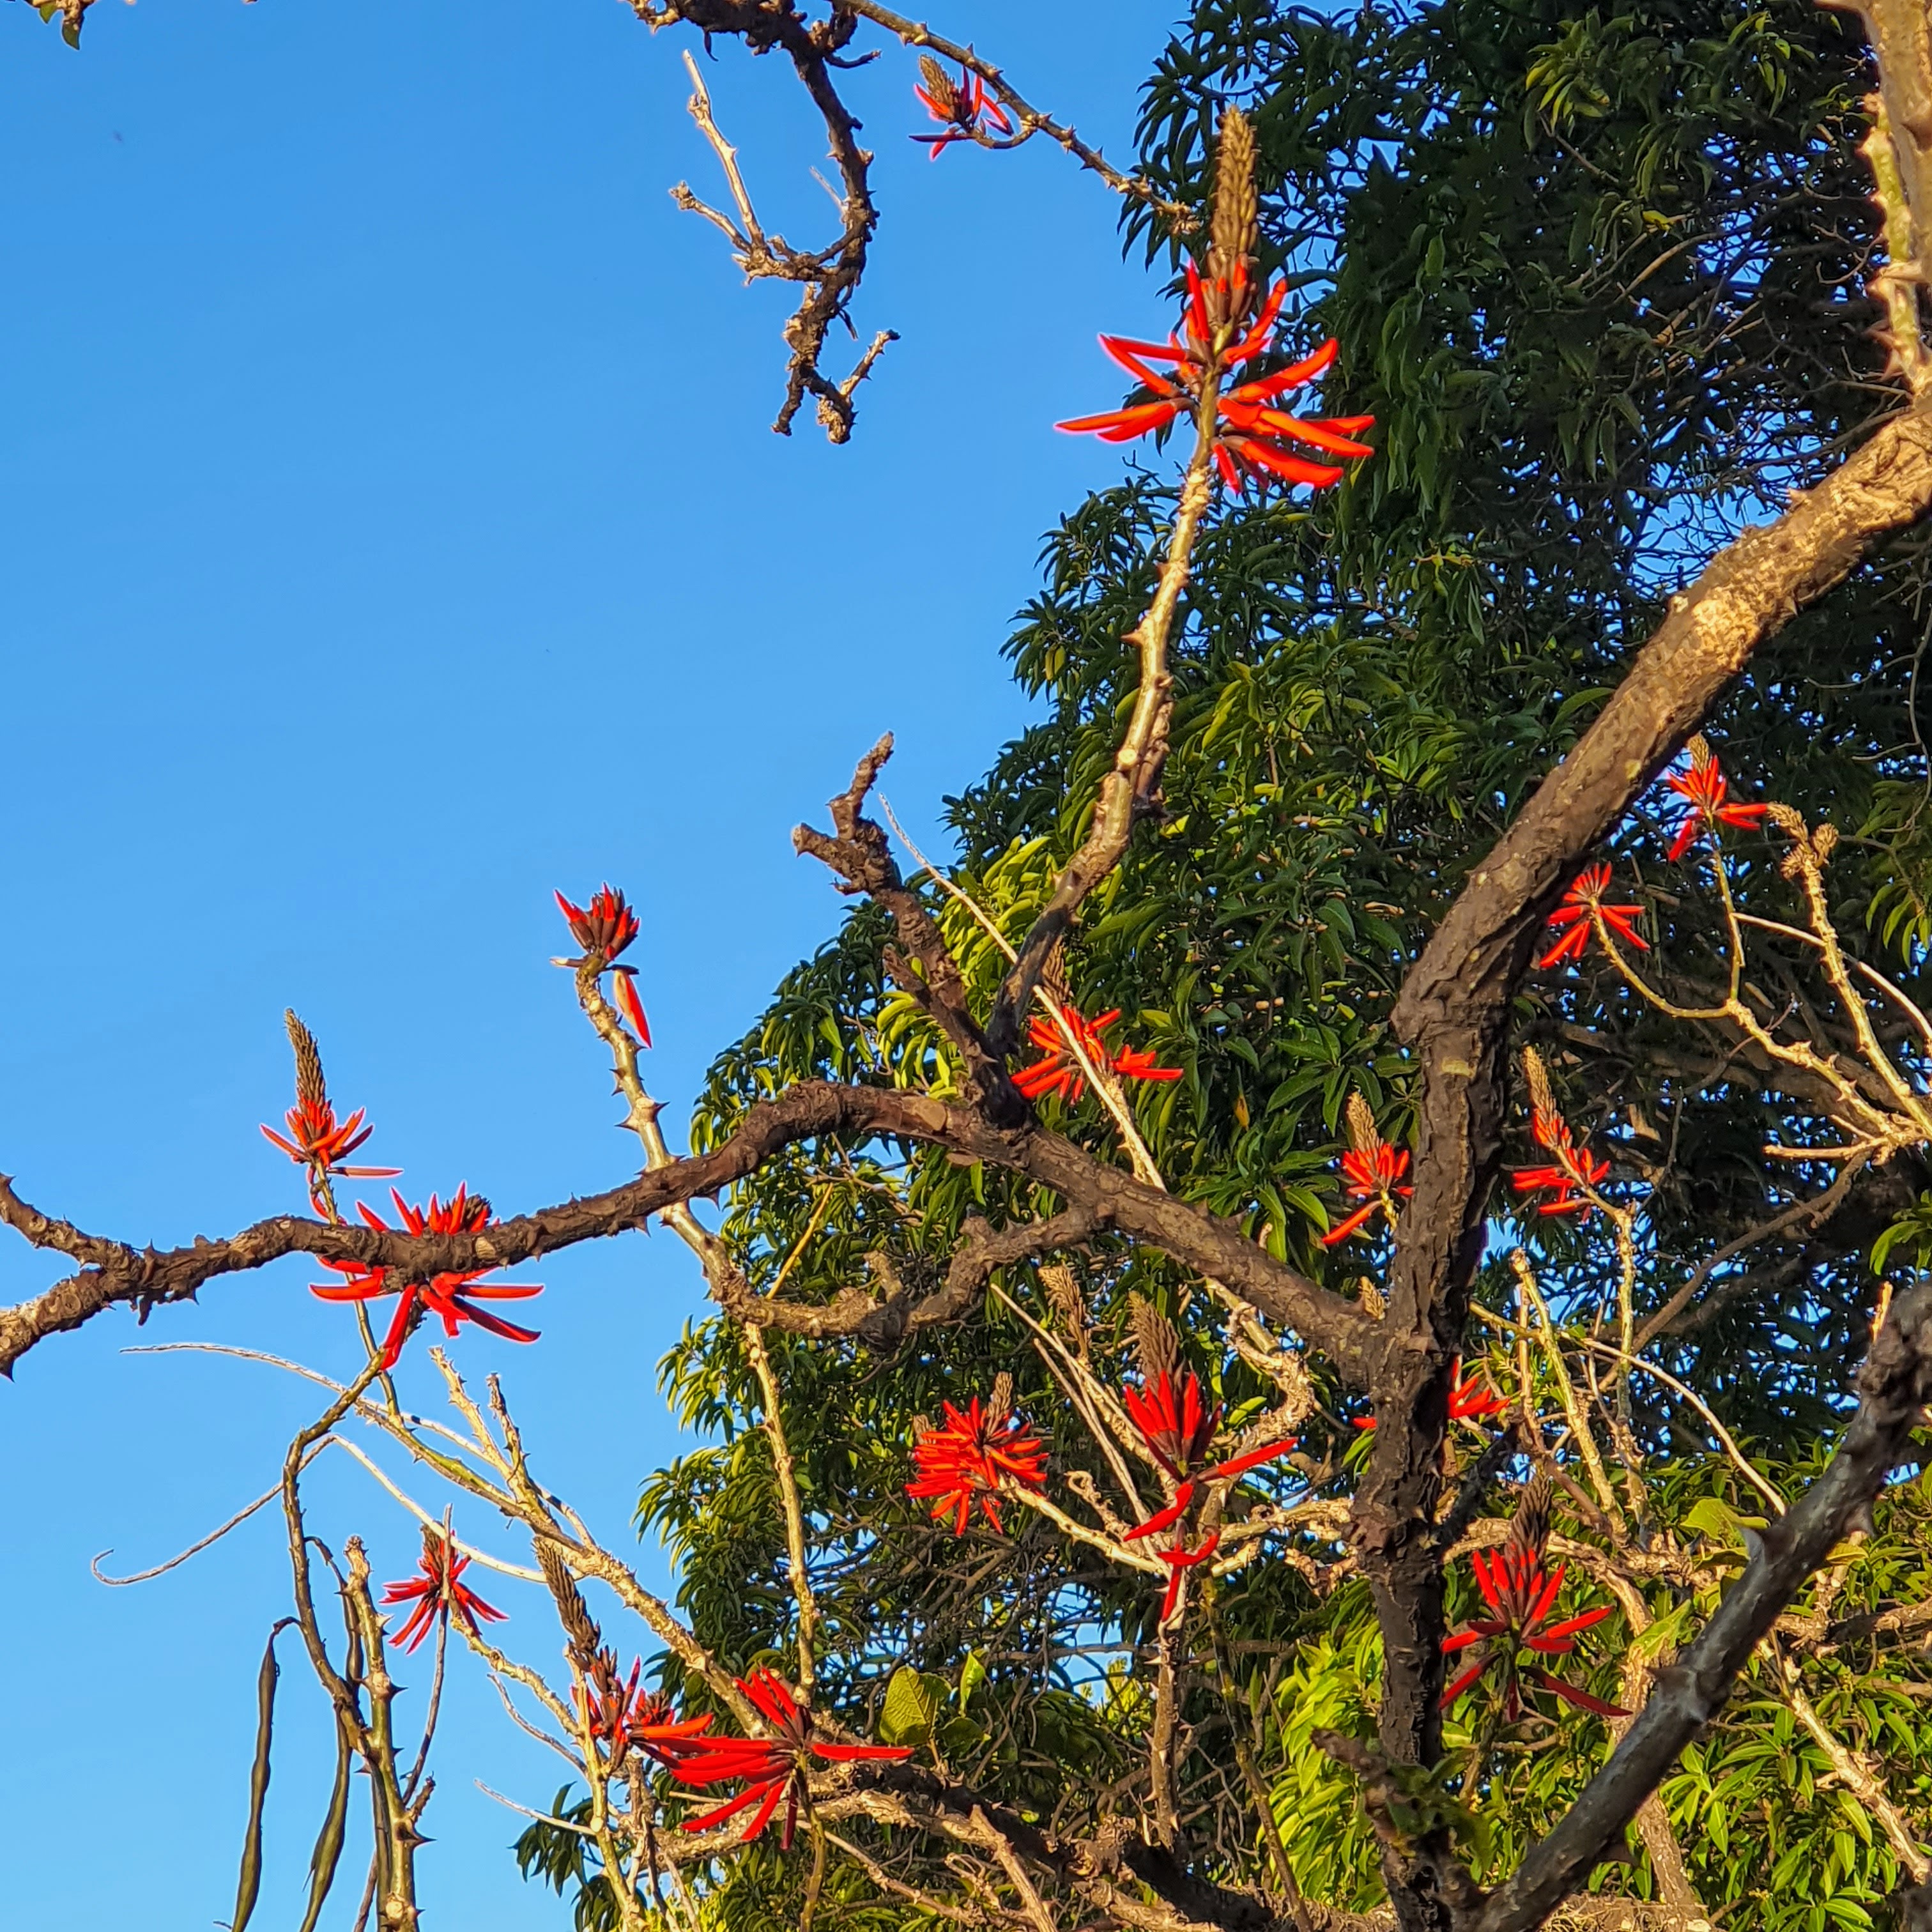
column 1264, row 1564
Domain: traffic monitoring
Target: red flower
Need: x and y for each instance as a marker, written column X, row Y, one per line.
column 962, row 105
column 1703, row 786
column 620, row 1715
column 971, row 1457
column 452, row 1297
column 1179, row 1561
column 1572, row 1169
column 1252, row 435
column 604, row 929
column 1471, row 1398
column 1582, row 906
column 1178, row 1428
column 1372, row 1173
column 436, row 1592
column 1520, row 1595
column 1058, row 1072
column 315, row 1142
column 769, row 1768
column 604, row 1704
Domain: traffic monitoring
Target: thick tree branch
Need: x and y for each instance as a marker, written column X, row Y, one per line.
column 118, row 1273
column 1454, row 1012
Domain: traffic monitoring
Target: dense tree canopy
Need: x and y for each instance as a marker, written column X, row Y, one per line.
column 1602, row 283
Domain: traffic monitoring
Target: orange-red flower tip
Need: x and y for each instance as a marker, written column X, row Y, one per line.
column 603, row 928
column 1520, row 1594
column 453, row 1297
column 1059, row 1070
column 1372, row 1174
column 1254, row 441
column 967, row 107
column 1175, row 1421
column 436, row 1592
column 770, row 1768
column 969, row 1458
column 1573, row 1170
column 1582, row 911
column 1704, row 789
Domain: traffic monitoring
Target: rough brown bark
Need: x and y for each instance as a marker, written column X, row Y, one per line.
column 1454, row 1012
column 114, row 1272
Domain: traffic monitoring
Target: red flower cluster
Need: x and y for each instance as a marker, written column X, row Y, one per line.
column 1059, row 1072
column 1471, row 1398
column 1372, row 1173
column 1703, row 787
column 1253, row 437
column 769, row 1768
column 966, row 106
column 315, row 1142
column 604, row 929
column 1178, row 1428
column 1573, row 1168
column 452, row 1297
column 436, row 1592
column 1583, row 906
column 971, row 1457
column 1520, row 1596
column 1177, row 1425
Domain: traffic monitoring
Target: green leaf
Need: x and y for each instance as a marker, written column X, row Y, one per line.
column 972, row 1674
column 911, row 1707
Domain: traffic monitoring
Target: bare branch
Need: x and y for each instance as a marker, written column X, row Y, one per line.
column 1190, row 1234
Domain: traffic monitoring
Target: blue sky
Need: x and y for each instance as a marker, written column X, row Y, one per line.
column 395, row 532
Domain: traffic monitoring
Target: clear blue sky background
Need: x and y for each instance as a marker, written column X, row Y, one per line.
column 394, row 531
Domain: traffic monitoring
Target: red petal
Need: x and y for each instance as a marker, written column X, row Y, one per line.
column 1581, row 1699
column 1122, row 425
column 1347, row 1228
column 732, row 1807
column 495, row 1324
column 392, row 1342
column 1289, row 467
column 1119, row 350
column 1570, row 946
column 627, row 995
column 1164, row 1518
column 1487, row 1580
column 1253, row 1459
column 1571, row 1624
